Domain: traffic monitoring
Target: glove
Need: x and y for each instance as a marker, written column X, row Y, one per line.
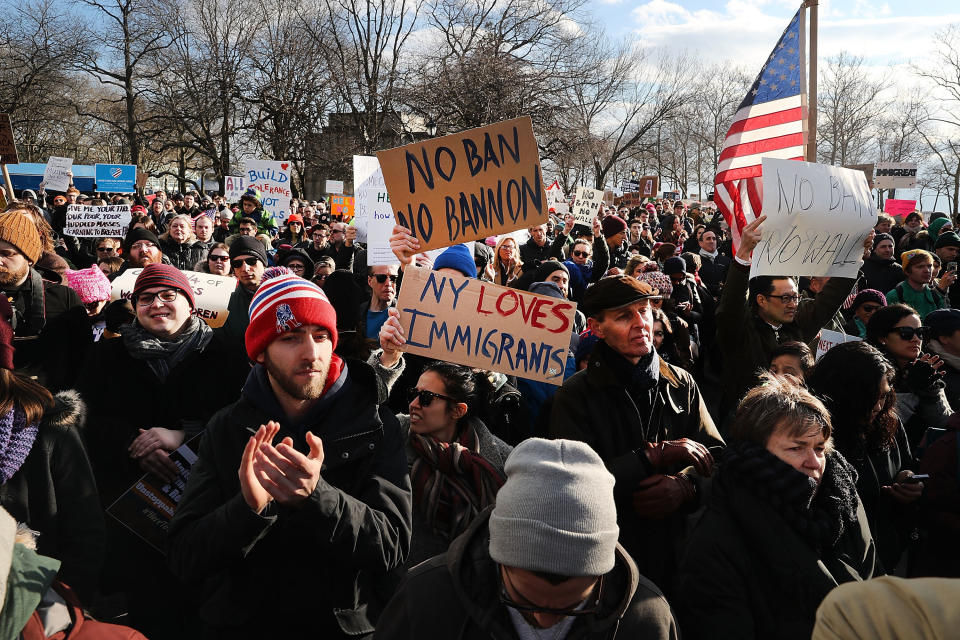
column 683, row 452
column 660, row 496
column 921, row 376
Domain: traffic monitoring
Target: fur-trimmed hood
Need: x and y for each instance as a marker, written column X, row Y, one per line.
column 68, row 411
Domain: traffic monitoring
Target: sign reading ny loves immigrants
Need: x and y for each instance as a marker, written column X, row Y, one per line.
column 468, row 185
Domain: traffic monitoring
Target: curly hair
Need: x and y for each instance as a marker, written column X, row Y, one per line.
column 848, row 378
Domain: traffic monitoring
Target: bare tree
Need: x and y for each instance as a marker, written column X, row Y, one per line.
column 850, row 105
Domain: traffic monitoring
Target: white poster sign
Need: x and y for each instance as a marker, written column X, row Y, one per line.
column 829, row 339
column 233, row 188
column 211, row 293
column 89, row 221
column 556, row 200
column 817, row 219
column 335, row 187
column 895, row 175
column 272, row 179
column 587, row 205
column 374, row 215
column 56, row 177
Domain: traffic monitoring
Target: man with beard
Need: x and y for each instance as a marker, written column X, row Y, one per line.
column 142, row 247
column 51, row 334
column 322, row 481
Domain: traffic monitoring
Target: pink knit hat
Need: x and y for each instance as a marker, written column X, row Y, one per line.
column 90, row 284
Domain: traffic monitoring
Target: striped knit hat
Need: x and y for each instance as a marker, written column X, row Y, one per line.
column 284, row 303
column 164, row 275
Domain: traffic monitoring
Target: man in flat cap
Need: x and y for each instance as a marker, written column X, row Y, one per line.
column 646, row 419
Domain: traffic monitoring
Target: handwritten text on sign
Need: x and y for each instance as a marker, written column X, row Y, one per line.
column 817, row 219
column 211, row 293
column 88, row 221
column 56, row 176
column 468, row 185
column 479, row 324
column 272, row 179
column 587, row 205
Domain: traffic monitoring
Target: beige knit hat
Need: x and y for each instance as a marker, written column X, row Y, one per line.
column 21, row 232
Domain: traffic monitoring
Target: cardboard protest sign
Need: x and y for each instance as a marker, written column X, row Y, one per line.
column 89, row 221
column 8, row 146
column 586, row 205
column 899, row 207
column 649, row 186
column 895, row 175
column 148, row 506
column 817, row 219
column 830, row 339
column 556, row 200
column 334, row 187
column 116, row 178
column 56, row 177
column 211, row 293
column 373, row 213
column 867, row 171
column 272, row 179
column 479, row 324
column 341, row 206
column 233, row 188
column 467, row 186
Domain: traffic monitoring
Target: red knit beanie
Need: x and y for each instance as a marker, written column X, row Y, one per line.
column 164, row 275
column 282, row 304
column 6, row 334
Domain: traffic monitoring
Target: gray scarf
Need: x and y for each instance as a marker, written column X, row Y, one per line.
column 708, row 254
column 161, row 354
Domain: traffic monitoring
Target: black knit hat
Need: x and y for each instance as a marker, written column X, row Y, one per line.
column 140, row 233
column 246, row 245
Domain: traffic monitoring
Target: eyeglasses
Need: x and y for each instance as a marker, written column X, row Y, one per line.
column 239, row 262
column 336, row 231
column 382, row 277
column 870, row 308
column 425, row 397
column 142, row 246
column 104, row 249
column 786, row 298
column 581, row 254
column 218, row 258
column 321, row 276
column 588, row 609
column 907, row 333
column 146, row 299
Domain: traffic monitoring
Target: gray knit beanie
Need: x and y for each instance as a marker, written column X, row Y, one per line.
column 555, row 513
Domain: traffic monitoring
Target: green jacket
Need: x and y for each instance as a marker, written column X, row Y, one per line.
column 923, row 301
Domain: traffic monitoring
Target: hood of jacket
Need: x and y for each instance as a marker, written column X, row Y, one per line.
column 475, row 580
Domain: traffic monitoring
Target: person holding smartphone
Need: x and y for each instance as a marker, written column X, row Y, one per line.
column 947, row 249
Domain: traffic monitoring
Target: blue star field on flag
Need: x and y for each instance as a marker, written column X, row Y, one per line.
column 781, row 75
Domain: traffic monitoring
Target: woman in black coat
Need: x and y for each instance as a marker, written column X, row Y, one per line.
column 783, row 526
column 855, row 382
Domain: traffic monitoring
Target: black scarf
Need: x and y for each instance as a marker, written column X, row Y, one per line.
column 162, row 355
column 638, row 378
column 819, row 514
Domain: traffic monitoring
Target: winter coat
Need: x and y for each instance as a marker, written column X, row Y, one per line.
column 748, row 574
column 880, row 274
column 311, row 570
column 595, row 407
column 713, row 273
column 940, row 505
column 183, row 256
column 54, row 493
column 746, row 340
column 266, row 224
column 951, row 370
column 532, row 254
column 456, row 595
column 923, row 302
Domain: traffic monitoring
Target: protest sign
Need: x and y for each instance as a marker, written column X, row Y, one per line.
column 233, row 188
column 899, row 207
column 56, row 177
column 334, row 187
column 211, row 293
column 116, row 178
column 895, row 175
column 89, row 221
column 867, row 171
column 272, row 179
column 556, row 200
column 479, row 324
column 649, row 186
column 8, row 146
column 467, row 186
column 148, row 506
column 341, row 206
column 829, row 339
column 817, row 219
column 586, row 205
column 373, row 213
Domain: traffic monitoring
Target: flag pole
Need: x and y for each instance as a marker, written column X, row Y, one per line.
column 812, row 93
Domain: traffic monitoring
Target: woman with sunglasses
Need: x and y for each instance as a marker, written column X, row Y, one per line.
column 217, row 261
column 856, row 382
column 506, row 261
column 456, row 464
column 921, row 402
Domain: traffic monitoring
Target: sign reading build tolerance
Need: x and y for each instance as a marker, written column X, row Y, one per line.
column 817, row 219
column 468, row 185
column 479, row 324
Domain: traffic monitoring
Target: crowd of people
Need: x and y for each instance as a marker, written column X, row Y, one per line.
column 697, row 471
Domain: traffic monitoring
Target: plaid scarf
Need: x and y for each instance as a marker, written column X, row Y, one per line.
column 452, row 482
column 16, row 440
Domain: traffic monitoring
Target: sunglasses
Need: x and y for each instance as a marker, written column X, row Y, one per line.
column 382, row 277
column 425, row 397
column 588, row 609
column 220, row 258
column 581, row 254
column 104, row 249
column 239, row 262
column 907, row 333
column 870, row 308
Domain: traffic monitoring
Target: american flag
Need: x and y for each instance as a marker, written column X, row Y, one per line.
column 771, row 121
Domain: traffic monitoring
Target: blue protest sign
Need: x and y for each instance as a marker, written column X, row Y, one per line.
column 116, row 178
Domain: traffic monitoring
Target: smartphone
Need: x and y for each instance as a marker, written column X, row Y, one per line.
column 914, row 479
column 951, row 266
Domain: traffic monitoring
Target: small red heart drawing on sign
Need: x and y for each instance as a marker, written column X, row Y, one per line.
column 284, row 165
